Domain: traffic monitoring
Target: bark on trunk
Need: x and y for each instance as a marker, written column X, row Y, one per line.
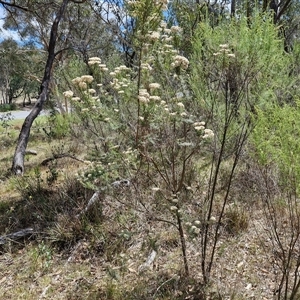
column 232, row 10
column 18, row 160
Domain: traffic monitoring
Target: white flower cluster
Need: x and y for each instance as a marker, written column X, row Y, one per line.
column 199, row 126
column 153, row 86
column 176, row 29
column 146, row 66
column 163, row 3
column 164, row 34
column 208, row 133
column 224, row 46
column 68, row 94
column 120, row 85
column 83, row 78
column 143, row 96
column 164, row 103
column 82, row 81
column 163, row 24
column 167, row 38
column 154, row 98
column 94, row 61
column 155, row 189
column 153, row 36
column 180, row 105
column 121, row 68
column 118, row 70
column 194, row 227
column 224, row 49
column 115, row 83
column 180, row 61
column 91, row 173
column 103, row 67
column 97, row 61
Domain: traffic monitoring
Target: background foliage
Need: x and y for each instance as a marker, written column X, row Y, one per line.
column 172, row 135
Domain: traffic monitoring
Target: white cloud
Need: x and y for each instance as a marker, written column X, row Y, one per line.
column 5, row 34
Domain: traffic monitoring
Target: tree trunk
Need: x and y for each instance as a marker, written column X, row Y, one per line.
column 232, row 10
column 18, row 160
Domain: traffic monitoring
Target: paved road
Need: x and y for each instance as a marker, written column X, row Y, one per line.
column 20, row 114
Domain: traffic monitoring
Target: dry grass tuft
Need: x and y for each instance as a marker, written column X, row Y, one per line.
column 99, row 254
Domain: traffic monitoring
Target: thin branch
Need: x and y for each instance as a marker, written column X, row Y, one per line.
column 57, row 156
column 78, row 1
column 4, row 4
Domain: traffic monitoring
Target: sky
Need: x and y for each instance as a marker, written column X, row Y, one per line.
column 4, row 33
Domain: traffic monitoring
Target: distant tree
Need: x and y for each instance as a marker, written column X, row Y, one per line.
column 18, row 160
column 17, row 67
column 11, row 81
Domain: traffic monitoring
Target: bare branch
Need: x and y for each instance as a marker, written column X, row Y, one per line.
column 5, row 4
column 63, row 155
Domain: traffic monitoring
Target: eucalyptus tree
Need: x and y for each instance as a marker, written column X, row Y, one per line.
column 20, row 70
column 88, row 35
column 56, row 36
column 59, row 29
column 120, row 24
column 11, row 79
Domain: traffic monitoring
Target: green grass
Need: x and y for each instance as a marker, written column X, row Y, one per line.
column 98, row 255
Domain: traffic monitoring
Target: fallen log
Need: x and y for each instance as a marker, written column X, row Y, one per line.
column 16, row 235
column 62, row 155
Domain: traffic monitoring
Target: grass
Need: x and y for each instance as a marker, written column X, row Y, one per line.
column 98, row 255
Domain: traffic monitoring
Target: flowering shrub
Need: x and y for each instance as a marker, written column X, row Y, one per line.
column 160, row 131
column 138, row 120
